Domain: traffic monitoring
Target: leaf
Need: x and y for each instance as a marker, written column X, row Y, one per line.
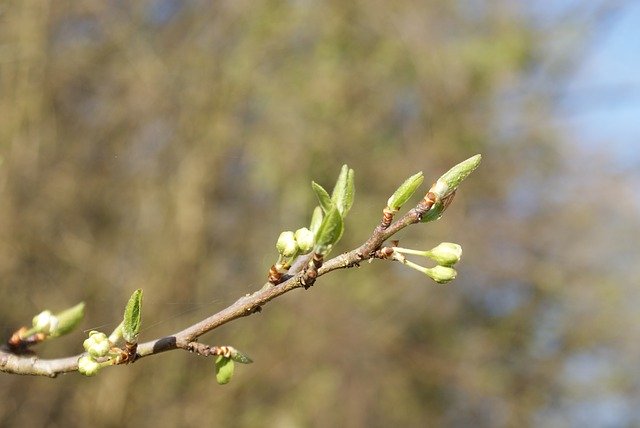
column 316, row 220
column 224, row 370
column 349, row 194
column 132, row 317
column 323, row 197
column 405, row 191
column 330, row 232
column 434, row 213
column 343, row 191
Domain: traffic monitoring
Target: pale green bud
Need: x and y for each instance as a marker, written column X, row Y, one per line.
column 68, row 319
column 88, row 366
column 405, row 191
column 304, row 239
column 446, row 253
column 45, row 322
column 286, row 244
column 441, row 274
column 97, row 344
column 451, row 179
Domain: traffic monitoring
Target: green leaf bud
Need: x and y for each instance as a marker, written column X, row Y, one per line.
column 441, row 274
column 405, row 191
column 304, row 239
column 132, row 317
column 68, row 320
column 88, row 366
column 224, row 369
column 451, row 179
column 446, row 253
column 286, row 244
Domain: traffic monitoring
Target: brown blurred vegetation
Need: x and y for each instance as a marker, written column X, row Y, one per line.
column 164, row 145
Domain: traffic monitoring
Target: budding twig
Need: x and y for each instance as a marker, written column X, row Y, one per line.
column 302, row 272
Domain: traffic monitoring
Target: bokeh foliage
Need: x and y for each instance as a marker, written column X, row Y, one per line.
column 164, row 145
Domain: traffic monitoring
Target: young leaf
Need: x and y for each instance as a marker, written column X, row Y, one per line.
column 405, row 191
column 68, row 319
column 434, row 213
column 316, row 220
column 323, row 196
column 349, row 194
column 132, row 317
column 343, row 191
column 330, row 232
column 224, row 369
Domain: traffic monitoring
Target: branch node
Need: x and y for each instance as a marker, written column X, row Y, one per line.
column 130, row 354
column 387, row 218
column 275, row 276
column 384, row 253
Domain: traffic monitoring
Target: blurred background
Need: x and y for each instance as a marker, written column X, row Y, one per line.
column 164, row 145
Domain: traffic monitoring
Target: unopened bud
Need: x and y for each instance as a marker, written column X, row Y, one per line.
column 88, row 366
column 286, row 244
column 441, row 274
column 45, row 322
column 405, row 191
column 97, row 344
column 304, row 240
column 446, row 253
column 451, row 179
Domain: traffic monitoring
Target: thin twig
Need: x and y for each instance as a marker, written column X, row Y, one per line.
column 247, row 305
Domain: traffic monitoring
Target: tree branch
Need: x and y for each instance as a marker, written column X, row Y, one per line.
column 302, row 273
column 244, row 306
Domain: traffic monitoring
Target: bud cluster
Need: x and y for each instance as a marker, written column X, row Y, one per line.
column 101, row 352
column 290, row 245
